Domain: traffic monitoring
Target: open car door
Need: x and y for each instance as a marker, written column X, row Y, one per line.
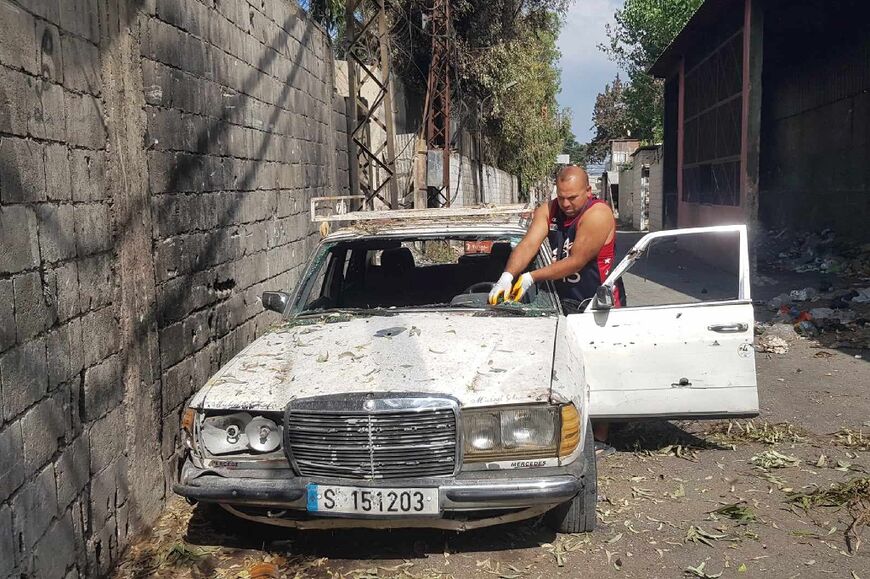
column 683, row 345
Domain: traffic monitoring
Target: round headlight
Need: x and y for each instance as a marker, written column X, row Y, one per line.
column 263, row 434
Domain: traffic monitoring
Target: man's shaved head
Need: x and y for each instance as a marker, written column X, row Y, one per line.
column 570, row 173
column 572, row 189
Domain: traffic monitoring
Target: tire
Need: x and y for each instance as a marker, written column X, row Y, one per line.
column 578, row 514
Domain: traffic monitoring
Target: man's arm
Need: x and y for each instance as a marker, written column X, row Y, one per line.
column 526, row 249
column 592, row 232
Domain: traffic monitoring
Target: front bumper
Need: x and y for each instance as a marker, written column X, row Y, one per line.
column 468, row 491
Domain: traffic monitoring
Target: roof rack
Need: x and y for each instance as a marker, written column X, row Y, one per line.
column 339, row 210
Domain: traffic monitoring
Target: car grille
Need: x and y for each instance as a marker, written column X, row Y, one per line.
column 372, row 445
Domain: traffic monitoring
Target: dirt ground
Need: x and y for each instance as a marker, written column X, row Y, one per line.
column 697, row 499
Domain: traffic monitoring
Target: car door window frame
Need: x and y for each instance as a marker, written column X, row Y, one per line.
column 639, row 249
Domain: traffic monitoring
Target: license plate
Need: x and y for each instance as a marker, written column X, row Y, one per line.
column 372, row 501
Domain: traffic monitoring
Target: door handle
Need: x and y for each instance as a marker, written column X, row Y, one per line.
column 729, row 328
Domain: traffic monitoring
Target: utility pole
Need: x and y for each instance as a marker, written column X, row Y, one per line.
column 372, row 153
column 438, row 101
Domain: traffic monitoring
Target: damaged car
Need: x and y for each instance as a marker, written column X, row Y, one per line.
column 391, row 394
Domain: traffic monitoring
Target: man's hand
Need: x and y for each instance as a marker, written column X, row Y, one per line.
column 520, row 287
column 501, row 288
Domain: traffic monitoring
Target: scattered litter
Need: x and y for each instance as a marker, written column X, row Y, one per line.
column 772, row 344
column 863, row 296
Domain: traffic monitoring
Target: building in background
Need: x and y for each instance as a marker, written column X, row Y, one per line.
column 767, row 116
column 640, row 190
column 618, row 156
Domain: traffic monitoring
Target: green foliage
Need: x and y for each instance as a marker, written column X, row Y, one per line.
column 575, row 151
column 503, row 64
column 643, row 29
column 609, row 118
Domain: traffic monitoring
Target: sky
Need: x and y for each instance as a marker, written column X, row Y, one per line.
column 585, row 69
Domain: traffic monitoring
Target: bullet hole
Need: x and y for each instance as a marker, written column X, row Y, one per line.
column 224, row 286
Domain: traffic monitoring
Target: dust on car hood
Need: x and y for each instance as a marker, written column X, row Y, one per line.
column 479, row 360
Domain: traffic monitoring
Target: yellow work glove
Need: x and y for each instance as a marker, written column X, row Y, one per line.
column 501, row 288
column 520, row 287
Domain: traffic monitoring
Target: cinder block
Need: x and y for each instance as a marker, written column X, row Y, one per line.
column 7, row 316
column 80, row 17
column 50, row 59
column 177, row 385
column 34, row 507
column 22, row 172
column 20, row 106
column 18, row 48
column 57, row 342
column 35, row 310
column 101, row 331
column 103, row 391
column 84, row 121
column 88, row 175
column 95, row 274
column 65, row 280
column 25, row 376
column 56, row 551
column 72, row 469
column 41, row 427
column 104, row 490
column 108, row 439
column 53, row 111
column 57, row 182
column 11, row 461
column 93, row 230
column 56, row 232
column 48, row 9
column 7, row 542
column 81, row 61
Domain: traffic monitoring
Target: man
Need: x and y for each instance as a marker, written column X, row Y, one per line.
column 582, row 234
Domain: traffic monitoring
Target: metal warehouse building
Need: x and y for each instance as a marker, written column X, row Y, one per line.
column 767, row 116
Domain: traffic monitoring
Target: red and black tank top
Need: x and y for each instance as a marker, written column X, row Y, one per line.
column 583, row 284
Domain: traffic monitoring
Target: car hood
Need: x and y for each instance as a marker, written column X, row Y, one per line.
column 480, row 360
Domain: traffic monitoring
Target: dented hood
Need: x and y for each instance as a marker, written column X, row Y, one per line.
column 479, row 360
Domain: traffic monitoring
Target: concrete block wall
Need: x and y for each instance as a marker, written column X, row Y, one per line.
column 156, row 162
column 656, row 195
column 496, row 187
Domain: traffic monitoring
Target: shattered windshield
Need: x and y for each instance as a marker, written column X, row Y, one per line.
column 378, row 274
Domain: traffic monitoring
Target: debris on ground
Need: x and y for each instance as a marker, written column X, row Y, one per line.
column 852, row 495
column 766, row 433
column 738, row 512
column 700, row 572
column 772, row 459
column 772, row 345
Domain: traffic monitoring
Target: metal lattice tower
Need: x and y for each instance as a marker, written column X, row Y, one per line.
column 373, row 175
column 438, row 95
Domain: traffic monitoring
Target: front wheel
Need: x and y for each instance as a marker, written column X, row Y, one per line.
column 578, row 514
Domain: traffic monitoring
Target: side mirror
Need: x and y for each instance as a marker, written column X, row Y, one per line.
column 276, row 301
column 603, row 298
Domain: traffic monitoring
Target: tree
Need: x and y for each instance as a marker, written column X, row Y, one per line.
column 609, row 119
column 643, row 29
column 504, row 55
column 576, row 151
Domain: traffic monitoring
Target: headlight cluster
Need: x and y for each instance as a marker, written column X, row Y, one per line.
column 520, row 432
column 239, row 432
